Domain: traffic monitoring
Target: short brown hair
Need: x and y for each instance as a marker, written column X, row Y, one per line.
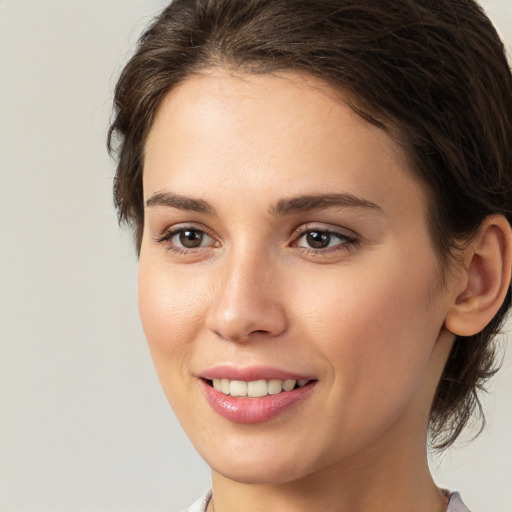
column 433, row 73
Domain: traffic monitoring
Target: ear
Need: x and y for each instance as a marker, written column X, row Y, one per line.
column 487, row 264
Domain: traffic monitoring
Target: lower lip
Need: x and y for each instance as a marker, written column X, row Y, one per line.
column 253, row 410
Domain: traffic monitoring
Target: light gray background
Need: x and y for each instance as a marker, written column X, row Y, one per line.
column 84, row 425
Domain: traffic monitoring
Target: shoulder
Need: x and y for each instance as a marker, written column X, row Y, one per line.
column 202, row 503
column 456, row 504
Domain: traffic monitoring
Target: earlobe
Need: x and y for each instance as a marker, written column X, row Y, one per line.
column 487, row 272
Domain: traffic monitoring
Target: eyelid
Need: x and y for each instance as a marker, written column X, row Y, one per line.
column 325, row 228
column 170, row 232
column 348, row 239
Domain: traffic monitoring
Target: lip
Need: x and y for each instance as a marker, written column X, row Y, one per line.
column 247, row 410
column 252, row 373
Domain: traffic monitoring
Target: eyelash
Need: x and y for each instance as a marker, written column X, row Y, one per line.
column 347, row 241
column 166, row 239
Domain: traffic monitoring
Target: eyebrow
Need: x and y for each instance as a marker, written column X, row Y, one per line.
column 281, row 208
column 321, row 201
column 180, row 202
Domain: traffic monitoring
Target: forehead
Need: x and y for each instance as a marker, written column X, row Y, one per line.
column 268, row 131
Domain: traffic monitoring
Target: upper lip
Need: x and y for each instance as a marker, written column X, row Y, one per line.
column 252, row 373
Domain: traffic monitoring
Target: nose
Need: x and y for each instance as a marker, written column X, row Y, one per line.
column 246, row 303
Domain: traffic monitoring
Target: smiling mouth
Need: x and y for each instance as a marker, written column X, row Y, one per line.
column 255, row 388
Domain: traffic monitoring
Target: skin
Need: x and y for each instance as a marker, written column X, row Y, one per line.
column 365, row 316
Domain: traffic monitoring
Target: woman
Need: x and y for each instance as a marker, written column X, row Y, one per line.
column 321, row 199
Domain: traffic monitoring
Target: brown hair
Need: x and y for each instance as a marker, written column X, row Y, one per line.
column 433, row 73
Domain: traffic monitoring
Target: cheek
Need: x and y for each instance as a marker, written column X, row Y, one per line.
column 374, row 305
column 171, row 307
column 376, row 327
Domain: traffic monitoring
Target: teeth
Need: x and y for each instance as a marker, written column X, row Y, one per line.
column 288, row 385
column 255, row 388
column 274, row 387
column 224, row 386
column 238, row 388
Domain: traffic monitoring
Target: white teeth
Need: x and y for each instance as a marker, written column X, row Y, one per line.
column 238, row 388
column 288, row 385
column 224, row 386
column 275, row 386
column 255, row 388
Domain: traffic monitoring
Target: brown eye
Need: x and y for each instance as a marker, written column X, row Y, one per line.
column 190, row 239
column 186, row 239
column 318, row 239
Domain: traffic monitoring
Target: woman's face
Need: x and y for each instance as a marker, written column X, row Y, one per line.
column 285, row 246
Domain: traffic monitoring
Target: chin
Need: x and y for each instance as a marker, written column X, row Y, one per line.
column 259, row 474
column 257, row 467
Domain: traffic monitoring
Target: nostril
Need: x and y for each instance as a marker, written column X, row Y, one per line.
column 246, row 319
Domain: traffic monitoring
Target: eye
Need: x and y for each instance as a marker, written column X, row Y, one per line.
column 318, row 239
column 185, row 239
column 190, row 239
